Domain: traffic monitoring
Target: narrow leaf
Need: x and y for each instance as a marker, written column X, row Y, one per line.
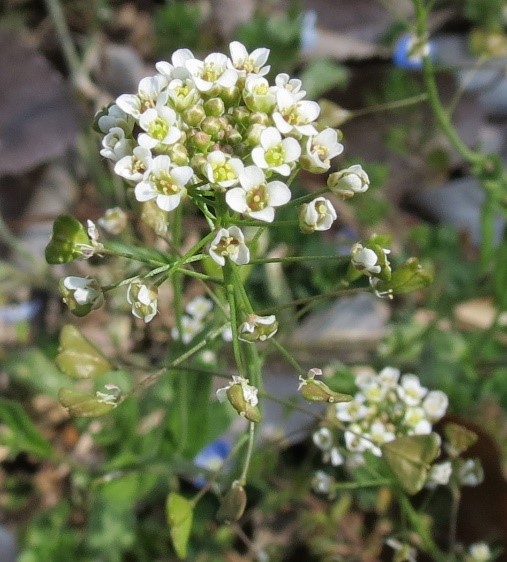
column 23, row 435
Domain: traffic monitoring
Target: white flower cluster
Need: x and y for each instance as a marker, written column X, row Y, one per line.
column 388, row 405
column 216, row 131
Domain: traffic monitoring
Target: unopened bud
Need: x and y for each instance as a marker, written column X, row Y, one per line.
column 214, row 107
column 178, row 154
column 213, row 126
column 241, row 115
column 230, row 96
column 194, row 115
column 200, row 141
column 348, row 182
column 260, row 118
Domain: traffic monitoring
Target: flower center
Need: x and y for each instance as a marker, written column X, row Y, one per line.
column 158, row 129
column 223, row 172
column 145, row 103
column 261, row 89
column 292, row 116
column 165, row 185
column 321, row 210
column 227, row 246
column 275, row 156
column 321, row 151
column 182, row 92
column 257, row 198
column 210, row 72
column 138, row 166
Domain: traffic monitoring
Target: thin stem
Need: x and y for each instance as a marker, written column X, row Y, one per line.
column 307, row 197
column 453, row 523
column 415, row 521
column 365, row 484
column 248, row 456
column 288, row 357
column 397, row 104
column 290, row 405
column 297, row 259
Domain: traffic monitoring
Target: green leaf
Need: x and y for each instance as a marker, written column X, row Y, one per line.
column 79, row 358
column 65, row 244
column 21, row 435
column 83, row 404
column 409, row 457
column 322, row 75
column 179, row 513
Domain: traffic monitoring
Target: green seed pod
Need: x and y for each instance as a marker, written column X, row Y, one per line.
column 233, row 504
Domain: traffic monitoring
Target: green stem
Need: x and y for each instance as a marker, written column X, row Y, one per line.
column 307, row 197
column 297, row 259
column 288, row 356
column 438, row 109
column 398, row 104
column 487, row 231
column 362, row 485
column 415, row 521
column 248, row 456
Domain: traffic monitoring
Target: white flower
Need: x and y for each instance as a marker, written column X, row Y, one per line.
column 349, row 181
column 435, row 405
column 415, row 418
column 114, row 220
column 115, row 145
column 143, row 298
column 321, row 149
column 354, row 440
column 246, row 63
column 439, row 474
column 319, row 214
column 275, row 154
column 176, row 70
column 292, row 115
column 335, row 457
column 352, row 411
column 199, row 307
column 134, row 166
column 230, row 243
column 323, row 439
column 365, row 260
column 258, row 328
column 470, row 472
column 150, row 93
column 164, row 184
column 84, row 291
column 115, row 117
column 479, row 552
column 256, row 198
column 182, row 94
column 160, row 126
column 389, row 377
column 258, row 94
column 322, row 483
column 223, row 171
column 212, row 71
column 190, row 327
column 292, row 85
column 380, row 434
column 410, row 391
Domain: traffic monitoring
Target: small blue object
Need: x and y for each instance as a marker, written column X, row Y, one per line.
column 22, row 312
column 308, row 37
column 403, row 55
column 211, row 458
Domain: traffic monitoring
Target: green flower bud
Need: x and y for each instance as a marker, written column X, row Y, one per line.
column 260, row 118
column 348, row 182
column 233, row 136
column 214, row 107
column 201, row 141
column 230, row 96
column 194, row 115
column 253, row 135
column 241, row 116
column 233, row 504
column 178, row 154
column 213, row 126
column 199, row 163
